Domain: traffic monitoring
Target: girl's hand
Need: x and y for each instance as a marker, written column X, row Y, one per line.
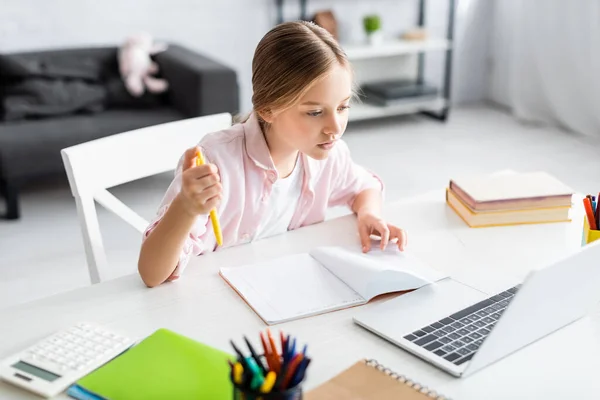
column 201, row 190
column 369, row 223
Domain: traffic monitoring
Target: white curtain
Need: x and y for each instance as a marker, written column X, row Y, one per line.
column 546, row 61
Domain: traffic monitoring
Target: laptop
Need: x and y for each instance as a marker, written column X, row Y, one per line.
column 462, row 330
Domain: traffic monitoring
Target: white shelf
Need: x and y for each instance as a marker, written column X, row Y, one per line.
column 394, row 48
column 367, row 111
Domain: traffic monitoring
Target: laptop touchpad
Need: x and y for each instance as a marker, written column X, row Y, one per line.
column 421, row 307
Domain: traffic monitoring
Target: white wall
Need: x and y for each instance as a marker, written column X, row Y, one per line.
column 501, row 36
column 472, row 53
column 228, row 30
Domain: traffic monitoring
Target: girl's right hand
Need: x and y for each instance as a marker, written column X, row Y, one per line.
column 201, row 189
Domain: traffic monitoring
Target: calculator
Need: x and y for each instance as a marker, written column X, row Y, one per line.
column 56, row 362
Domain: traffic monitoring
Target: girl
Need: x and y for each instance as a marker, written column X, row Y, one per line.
column 280, row 169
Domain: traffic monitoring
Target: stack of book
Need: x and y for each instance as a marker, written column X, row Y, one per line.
column 510, row 199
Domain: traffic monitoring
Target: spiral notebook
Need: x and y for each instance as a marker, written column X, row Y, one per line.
column 369, row 380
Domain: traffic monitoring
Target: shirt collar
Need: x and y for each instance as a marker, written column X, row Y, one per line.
column 258, row 150
column 256, row 145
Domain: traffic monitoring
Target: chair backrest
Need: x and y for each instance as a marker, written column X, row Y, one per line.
column 94, row 166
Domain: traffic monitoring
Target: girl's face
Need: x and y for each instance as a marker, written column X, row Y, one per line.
column 319, row 119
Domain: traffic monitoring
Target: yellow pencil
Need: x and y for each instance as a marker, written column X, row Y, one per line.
column 268, row 382
column 213, row 212
column 238, row 371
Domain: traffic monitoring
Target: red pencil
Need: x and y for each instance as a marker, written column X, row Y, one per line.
column 274, row 354
column 267, row 349
column 283, row 346
column 590, row 213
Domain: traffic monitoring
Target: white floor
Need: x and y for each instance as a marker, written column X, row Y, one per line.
column 42, row 253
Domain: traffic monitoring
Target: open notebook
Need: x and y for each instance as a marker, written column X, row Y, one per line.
column 325, row 279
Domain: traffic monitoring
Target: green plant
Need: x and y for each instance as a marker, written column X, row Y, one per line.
column 372, row 23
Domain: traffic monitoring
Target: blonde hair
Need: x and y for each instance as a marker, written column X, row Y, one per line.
column 288, row 60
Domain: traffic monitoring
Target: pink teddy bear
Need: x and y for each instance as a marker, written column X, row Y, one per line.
column 136, row 67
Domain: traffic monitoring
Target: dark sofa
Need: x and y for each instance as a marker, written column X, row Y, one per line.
column 30, row 148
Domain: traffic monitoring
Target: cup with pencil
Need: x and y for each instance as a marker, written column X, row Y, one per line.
column 591, row 221
column 271, row 373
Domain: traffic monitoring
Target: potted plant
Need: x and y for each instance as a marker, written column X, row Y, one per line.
column 372, row 25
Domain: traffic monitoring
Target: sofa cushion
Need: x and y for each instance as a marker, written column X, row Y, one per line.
column 39, row 97
column 59, row 82
column 33, row 147
column 92, row 64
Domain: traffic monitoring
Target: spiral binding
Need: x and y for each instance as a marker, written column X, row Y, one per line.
column 405, row 380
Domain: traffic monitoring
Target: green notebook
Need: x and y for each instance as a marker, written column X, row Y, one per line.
column 165, row 365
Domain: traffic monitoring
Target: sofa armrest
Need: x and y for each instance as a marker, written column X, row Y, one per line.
column 198, row 85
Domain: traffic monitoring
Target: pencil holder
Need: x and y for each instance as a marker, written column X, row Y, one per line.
column 588, row 235
column 241, row 393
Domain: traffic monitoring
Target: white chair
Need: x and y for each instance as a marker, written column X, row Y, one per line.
column 94, row 166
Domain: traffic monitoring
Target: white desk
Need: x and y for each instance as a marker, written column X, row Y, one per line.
column 202, row 306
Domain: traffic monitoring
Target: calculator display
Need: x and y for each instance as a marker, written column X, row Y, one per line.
column 35, row 371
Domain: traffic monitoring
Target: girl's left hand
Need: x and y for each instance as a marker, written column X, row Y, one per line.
column 369, row 223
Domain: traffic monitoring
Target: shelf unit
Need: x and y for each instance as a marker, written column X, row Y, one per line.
column 438, row 108
column 394, row 48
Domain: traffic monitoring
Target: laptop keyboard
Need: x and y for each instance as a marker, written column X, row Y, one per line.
column 457, row 337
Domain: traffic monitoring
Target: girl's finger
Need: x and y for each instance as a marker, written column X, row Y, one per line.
column 365, row 237
column 402, row 239
column 384, row 231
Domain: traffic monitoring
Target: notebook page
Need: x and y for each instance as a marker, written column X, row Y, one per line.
column 378, row 271
column 290, row 287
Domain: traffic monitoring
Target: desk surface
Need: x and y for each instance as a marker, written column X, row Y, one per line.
column 202, row 306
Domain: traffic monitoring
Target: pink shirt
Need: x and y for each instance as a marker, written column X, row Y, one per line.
column 247, row 175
